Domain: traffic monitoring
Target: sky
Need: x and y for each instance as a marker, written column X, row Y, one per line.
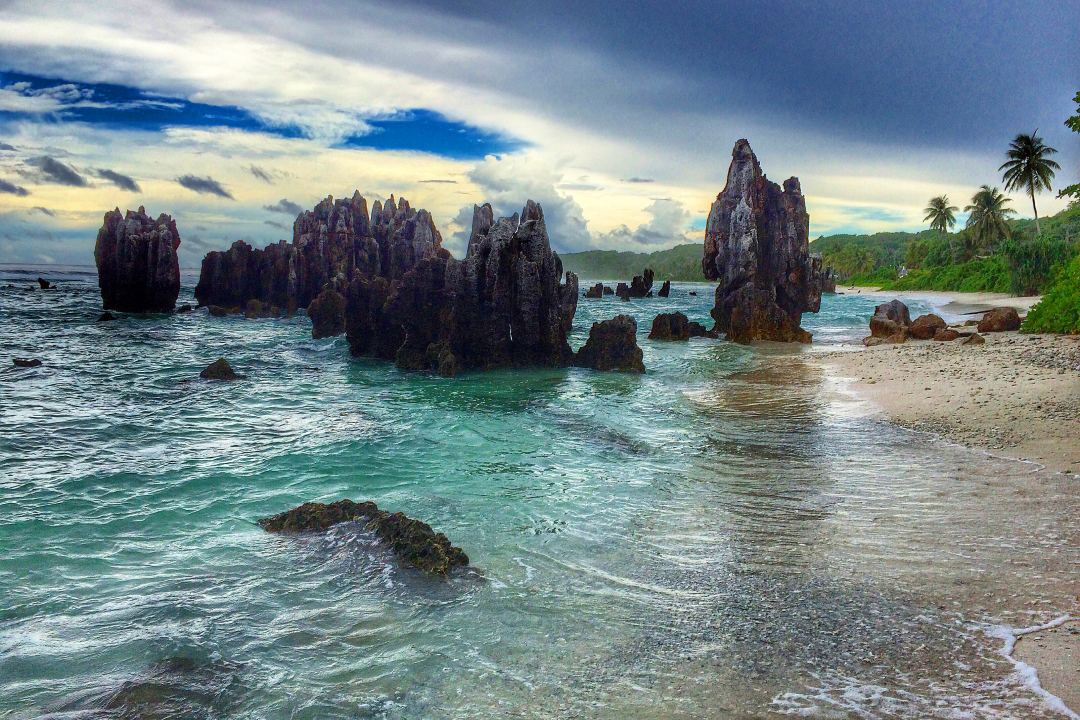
column 618, row 118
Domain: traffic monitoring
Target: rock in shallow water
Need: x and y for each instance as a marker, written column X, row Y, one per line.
column 670, row 326
column 612, row 345
column 138, row 269
column 413, row 541
column 327, row 313
column 26, row 362
column 219, row 370
column 757, row 246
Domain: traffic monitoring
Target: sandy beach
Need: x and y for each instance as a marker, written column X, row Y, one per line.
column 1017, row 396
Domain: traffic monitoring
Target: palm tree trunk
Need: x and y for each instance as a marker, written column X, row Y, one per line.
column 1038, row 231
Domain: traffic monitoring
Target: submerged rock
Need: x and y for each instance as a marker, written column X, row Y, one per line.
column 1000, row 319
column 176, row 687
column 665, row 289
column 106, row 317
column 138, row 269
column 327, row 313
column 757, row 246
column 219, row 370
column 185, row 308
column 255, row 309
column 26, row 362
column 608, row 290
column 670, row 326
column 45, row 284
column 612, row 345
column 926, row 326
column 217, row 311
column 413, row 541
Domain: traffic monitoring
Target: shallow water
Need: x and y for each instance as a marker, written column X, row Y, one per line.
column 731, row 535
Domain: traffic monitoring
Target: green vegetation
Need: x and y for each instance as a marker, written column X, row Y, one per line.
column 986, row 223
column 1022, row 264
column 682, row 262
column 1073, row 123
column 940, row 214
column 1059, row 310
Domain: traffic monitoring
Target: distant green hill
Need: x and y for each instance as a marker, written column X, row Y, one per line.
column 682, row 262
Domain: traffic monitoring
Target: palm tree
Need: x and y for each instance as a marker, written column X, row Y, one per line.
column 987, row 216
column 940, row 214
column 1029, row 168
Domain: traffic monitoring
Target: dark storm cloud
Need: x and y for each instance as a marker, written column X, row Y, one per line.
column 638, row 180
column 276, row 224
column 13, row 189
column 54, row 171
column 206, row 185
column 123, row 182
column 287, row 207
column 44, row 211
column 959, row 73
column 5, row 147
column 446, row 182
column 261, row 174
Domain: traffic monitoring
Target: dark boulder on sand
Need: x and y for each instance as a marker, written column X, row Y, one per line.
column 670, row 326
column 757, row 247
column 889, row 319
column 219, row 370
column 414, row 542
column 973, row 339
column 138, row 269
column 926, row 326
column 945, row 334
column 612, row 345
column 327, row 313
column 1000, row 319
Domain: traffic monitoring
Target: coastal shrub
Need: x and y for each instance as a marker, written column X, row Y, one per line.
column 987, row 274
column 1059, row 309
column 1032, row 263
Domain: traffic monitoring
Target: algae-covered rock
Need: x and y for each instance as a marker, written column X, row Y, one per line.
column 413, row 541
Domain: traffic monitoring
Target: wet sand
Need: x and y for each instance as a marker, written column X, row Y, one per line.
column 1017, row 396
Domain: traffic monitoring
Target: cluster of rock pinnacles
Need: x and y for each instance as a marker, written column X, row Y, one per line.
column 383, row 279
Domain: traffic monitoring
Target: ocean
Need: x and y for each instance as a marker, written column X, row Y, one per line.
column 733, row 534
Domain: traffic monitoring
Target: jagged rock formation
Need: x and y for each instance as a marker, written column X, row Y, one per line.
column 665, row 289
column 138, row 270
column 828, row 281
column 757, row 246
column 595, row 292
column 502, row 306
column 670, row 326
column 640, row 286
column 327, row 313
column 330, row 244
column 612, row 345
column 413, row 541
column 220, row 369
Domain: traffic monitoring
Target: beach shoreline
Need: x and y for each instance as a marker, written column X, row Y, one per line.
column 1016, row 397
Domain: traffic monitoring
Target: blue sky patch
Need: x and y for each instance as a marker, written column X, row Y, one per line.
column 125, row 107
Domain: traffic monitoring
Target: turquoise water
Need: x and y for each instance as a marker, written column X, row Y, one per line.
column 732, row 535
